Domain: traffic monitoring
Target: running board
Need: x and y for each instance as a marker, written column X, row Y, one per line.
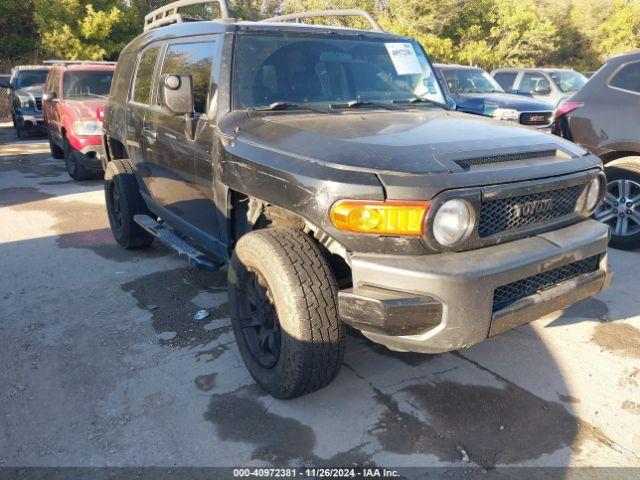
column 181, row 247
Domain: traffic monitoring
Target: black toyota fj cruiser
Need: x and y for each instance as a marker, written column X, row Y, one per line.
column 326, row 167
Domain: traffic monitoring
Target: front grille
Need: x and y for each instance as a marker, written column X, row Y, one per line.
column 536, row 118
column 509, row 157
column 38, row 103
column 506, row 214
column 507, row 294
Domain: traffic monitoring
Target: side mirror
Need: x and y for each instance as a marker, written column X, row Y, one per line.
column 49, row 97
column 176, row 94
column 5, row 83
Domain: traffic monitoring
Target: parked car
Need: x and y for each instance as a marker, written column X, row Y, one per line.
column 550, row 85
column 324, row 165
column 25, row 98
column 604, row 117
column 475, row 91
column 74, row 92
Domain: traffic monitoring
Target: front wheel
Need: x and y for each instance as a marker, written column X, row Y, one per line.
column 283, row 298
column 72, row 160
column 620, row 208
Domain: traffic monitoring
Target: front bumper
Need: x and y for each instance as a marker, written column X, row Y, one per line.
column 442, row 302
column 30, row 119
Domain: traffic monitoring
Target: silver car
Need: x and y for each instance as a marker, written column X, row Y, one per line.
column 551, row 85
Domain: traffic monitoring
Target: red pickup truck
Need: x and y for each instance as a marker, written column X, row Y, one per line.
column 73, row 93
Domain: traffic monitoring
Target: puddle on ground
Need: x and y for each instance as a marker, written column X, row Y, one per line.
column 618, row 338
column 172, row 293
column 240, row 416
column 493, row 425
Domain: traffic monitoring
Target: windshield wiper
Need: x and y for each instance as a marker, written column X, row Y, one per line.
column 364, row 103
column 415, row 100
column 290, row 106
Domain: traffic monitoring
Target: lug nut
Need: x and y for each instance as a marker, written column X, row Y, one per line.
column 629, row 204
column 615, row 210
column 628, row 212
column 615, row 203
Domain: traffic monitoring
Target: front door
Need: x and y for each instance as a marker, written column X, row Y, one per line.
column 180, row 157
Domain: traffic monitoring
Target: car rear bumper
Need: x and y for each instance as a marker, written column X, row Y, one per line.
column 442, row 302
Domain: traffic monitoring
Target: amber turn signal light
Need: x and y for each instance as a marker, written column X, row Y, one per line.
column 386, row 218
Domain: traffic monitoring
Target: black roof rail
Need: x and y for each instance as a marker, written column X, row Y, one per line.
column 351, row 12
column 76, row 62
column 169, row 13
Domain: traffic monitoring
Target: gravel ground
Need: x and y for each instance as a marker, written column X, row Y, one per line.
column 104, row 365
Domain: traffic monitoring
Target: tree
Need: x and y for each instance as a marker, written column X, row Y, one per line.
column 19, row 33
column 620, row 32
column 78, row 29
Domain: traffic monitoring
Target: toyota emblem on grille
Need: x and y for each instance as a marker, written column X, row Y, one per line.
column 537, row 118
column 534, row 207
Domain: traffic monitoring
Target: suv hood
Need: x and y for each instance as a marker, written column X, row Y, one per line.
column 85, row 109
column 483, row 102
column 417, row 141
column 33, row 90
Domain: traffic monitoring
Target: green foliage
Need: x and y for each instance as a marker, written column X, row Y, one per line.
column 621, row 31
column 19, row 33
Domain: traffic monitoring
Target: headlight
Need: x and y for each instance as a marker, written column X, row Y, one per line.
column 24, row 102
column 593, row 194
column 453, row 222
column 508, row 114
column 87, row 128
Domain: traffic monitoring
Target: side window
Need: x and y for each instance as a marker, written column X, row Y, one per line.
column 195, row 59
column 534, row 83
column 55, row 81
column 505, row 80
column 144, row 76
column 627, row 78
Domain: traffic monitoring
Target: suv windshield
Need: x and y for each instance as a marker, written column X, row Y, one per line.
column 87, row 84
column 326, row 70
column 568, row 81
column 467, row 80
column 29, row 78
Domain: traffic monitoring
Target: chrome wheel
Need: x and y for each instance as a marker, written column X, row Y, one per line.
column 620, row 208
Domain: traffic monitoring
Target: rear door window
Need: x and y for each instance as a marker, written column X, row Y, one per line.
column 505, row 80
column 144, row 76
column 195, row 59
column 627, row 78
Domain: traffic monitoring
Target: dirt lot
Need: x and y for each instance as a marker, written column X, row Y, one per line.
column 103, row 364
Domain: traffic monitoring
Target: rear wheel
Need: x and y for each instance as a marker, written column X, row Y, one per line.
column 283, row 298
column 620, row 208
column 56, row 151
column 124, row 201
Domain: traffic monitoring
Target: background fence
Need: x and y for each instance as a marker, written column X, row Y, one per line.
column 5, row 113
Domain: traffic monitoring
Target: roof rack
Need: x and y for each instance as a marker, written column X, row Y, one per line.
column 169, row 13
column 352, row 12
column 76, row 62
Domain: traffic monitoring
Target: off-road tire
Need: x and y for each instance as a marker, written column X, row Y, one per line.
column 123, row 200
column 624, row 169
column 304, row 293
column 75, row 169
column 56, row 151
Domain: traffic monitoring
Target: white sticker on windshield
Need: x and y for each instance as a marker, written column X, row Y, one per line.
column 404, row 58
